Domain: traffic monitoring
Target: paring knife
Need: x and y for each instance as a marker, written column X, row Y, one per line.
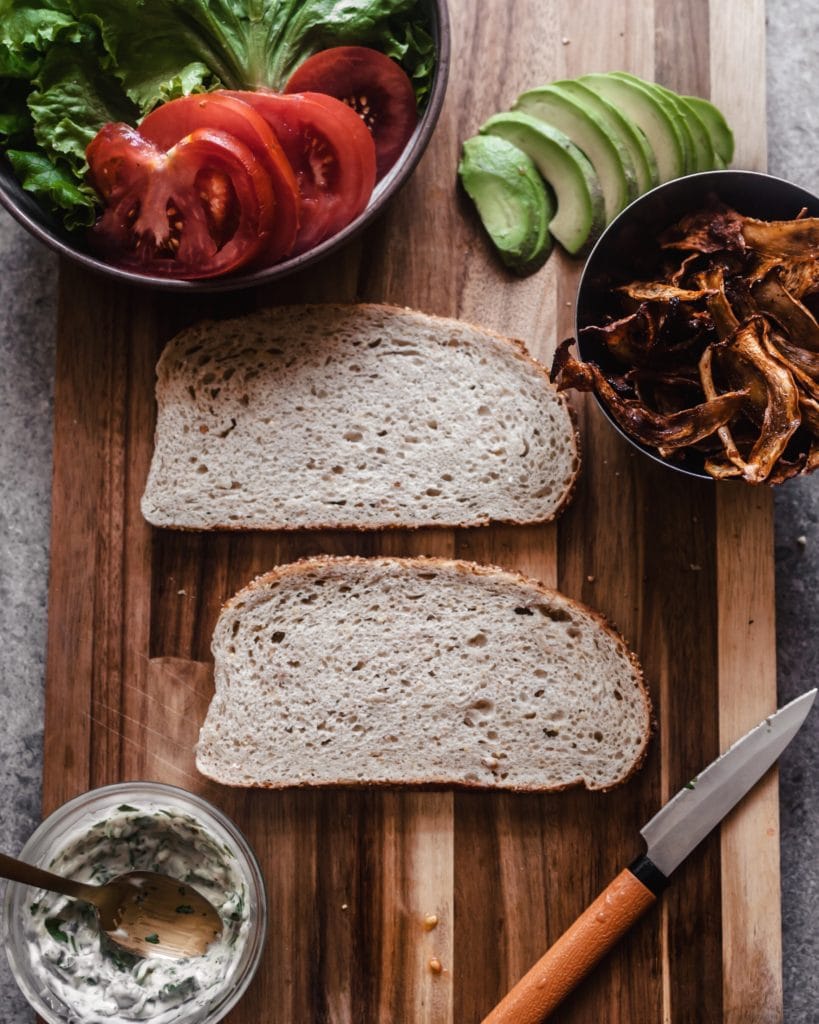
column 670, row 836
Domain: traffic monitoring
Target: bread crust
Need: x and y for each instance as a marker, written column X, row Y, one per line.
column 466, row 568
column 516, row 345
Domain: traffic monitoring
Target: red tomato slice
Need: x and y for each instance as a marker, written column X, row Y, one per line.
column 375, row 87
column 172, row 121
column 331, row 153
column 203, row 208
column 118, row 157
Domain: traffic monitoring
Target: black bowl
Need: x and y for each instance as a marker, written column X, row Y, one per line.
column 627, row 250
column 49, row 229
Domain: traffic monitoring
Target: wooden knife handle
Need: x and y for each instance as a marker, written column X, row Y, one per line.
column 576, row 951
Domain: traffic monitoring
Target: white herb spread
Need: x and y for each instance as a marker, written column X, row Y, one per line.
column 96, row 982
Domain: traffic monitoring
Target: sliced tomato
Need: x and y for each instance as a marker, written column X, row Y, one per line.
column 375, row 87
column 203, row 208
column 331, row 153
column 172, row 121
column 118, row 157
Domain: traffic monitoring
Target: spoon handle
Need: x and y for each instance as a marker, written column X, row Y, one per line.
column 28, row 874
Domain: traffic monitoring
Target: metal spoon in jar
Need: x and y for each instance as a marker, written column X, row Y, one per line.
column 142, row 912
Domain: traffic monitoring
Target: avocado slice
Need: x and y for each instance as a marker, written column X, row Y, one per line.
column 607, row 155
column 722, row 137
column 643, row 107
column 511, row 200
column 702, row 150
column 672, row 112
column 618, row 125
column 703, row 147
column 581, row 213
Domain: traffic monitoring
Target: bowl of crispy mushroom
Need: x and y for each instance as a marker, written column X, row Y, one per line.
column 697, row 327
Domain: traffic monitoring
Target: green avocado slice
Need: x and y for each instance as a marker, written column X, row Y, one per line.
column 511, row 200
column 581, row 213
column 722, row 137
column 673, row 112
column 642, row 155
column 703, row 147
column 643, row 107
column 608, row 156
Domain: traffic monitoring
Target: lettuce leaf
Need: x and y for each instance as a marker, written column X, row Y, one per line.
column 56, row 187
column 315, row 25
column 72, row 99
column 27, row 28
column 245, row 44
column 154, row 52
column 412, row 46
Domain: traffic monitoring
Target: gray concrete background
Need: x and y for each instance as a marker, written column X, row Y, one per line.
column 793, row 152
column 27, row 316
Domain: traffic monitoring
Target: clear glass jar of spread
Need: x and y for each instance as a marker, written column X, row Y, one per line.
column 70, row 974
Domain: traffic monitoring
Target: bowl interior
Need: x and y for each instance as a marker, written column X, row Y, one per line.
column 48, row 228
column 628, row 251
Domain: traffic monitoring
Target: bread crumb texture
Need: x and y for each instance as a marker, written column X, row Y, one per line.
column 348, row 671
column 354, row 416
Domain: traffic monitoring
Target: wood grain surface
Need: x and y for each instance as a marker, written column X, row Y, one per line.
column 684, row 568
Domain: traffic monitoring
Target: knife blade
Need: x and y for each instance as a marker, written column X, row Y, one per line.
column 677, row 828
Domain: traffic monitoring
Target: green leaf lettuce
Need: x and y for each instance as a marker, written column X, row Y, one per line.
column 245, row 44
column 72, row 99
column 56, row 187
column 27, row 28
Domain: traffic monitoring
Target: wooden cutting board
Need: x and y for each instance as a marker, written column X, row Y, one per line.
column 684, row 568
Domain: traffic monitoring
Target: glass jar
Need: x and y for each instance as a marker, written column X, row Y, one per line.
column 77, row 817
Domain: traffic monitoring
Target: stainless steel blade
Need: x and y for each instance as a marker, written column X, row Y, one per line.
column 704, row 801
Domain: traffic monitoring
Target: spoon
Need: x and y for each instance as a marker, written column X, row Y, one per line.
column 142, row 912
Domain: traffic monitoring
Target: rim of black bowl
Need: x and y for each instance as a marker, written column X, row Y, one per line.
column 692, row 463
column 47, row 229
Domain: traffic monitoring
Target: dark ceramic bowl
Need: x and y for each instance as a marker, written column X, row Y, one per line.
column 49, row 229
column 627, row 250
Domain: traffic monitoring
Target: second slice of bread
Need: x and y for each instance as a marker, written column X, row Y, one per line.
column 360, row 416
column 350, row 671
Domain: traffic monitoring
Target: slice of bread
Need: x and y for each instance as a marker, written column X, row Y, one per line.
column 389, row 671
column 359, row 417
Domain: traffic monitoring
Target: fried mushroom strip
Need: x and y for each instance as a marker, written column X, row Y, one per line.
column 721, row 229
column 800, row 277
column 809, row 411
column 659, row 291
column 798, row 322
column 721, row 469
column 684, row 268
column 799, row 238
column 786, row 469
column 805, row 462
column 803, row 365
column 666, row 433
column 628, row 339
column 748, row 348
column 716, row 229
column 736, row 464
column 713, row 281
